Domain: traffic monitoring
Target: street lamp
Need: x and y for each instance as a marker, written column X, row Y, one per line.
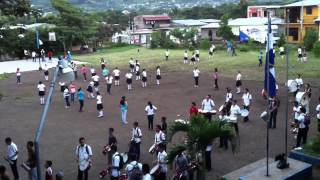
column 63, row 72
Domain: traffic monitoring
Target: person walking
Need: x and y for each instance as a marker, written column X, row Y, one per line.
column 185, row 57
column 83, row 157
column 116, row 163
column 112, row 141
column 144, row 78
column 12, row 156
column 84, row 71
column 18, row 73
column 105, row 72
column 196, row 73
column 116, row 73
column 167, row 54
column 136, row 135
column 73, row 91
column 90, row 90
column 260, row 58
column 137, row 70
column 238, row 82
column 150, row 110
column 46, row 72
column 129, row 79
column 216, row 77
column 158, row 75
column 74, row 67
column 34, row 55
column 303, row 130
column 42, row 91
column 99, row 105
column 109, row 80
column 81, row 96
column 247, row 99
column 31, row 161
column 66, row 95
column 124, row 109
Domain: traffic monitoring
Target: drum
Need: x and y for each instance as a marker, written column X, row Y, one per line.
column 181, row 121
column 264, row 116
column 302, row 98
column 221, row 108
column 244, row 113
column 152, row 149
column 213, row 112
column 156, row 170
column 292, row 85
column 124, row 157
column 232, row 119
column 123, row 177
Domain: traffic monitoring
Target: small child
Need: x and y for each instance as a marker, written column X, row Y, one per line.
column 49, row 172
column 18, row 76
column 72, row 88
column 90, row 90
column 46, row 72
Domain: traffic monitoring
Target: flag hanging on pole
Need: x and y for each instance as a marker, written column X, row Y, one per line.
column 270, row 74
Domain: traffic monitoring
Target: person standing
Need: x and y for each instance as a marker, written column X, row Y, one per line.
column 81, row 99
column 73, row 90
column 43, row 55
column 275, row 103
column 83, row 157
column 185, row 57
column 234, row 112
column 90, row 90
column 103, row 65
column 18, row 73
column 299, row 54
column 49, row 171
column 299, row 82
column 109, row 80
column 193, row 59
column 137, row 70
column 158, row 75
column 162, row 162
column 75, row 69
column 196, row 73
column 228, row 101
column 302, row 131
column 99, row 105
column 238, row 82
column 84, row 71
column 33, row 55
column 207, row 106
column 216, row 77
column 116, row 73
column 159, row 137
column 129, row 79
column 112, row 141
column 150, row 110
column 92, row 71
column 208, row 156
column 124, row 109
column 95, row 80
column 105, row 72
column 144, row 78
column 31, row 161
column 181, row 166
column 211, row 51
column 42, row 91
column 260, row 57
column 136, row 136
column 247, row 99
column 167, row 54
column 12, row 156
column 46, row 72
column 197, row 55
column 115, row 168
column 66, row 95
column 134, row 169
column 193, row 111
column 50, row 55
column 131, row 65
column 164, row 125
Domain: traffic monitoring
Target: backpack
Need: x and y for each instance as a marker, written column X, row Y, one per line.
column 135, row 173
column 307, row 120
column 121, row 163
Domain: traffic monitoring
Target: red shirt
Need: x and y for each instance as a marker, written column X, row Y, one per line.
column 193, row 111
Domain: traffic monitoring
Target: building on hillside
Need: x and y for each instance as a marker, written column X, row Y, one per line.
column 302, row 15
column 262, row 11
column 209, row 31
column 192, row 23
column 151, row 21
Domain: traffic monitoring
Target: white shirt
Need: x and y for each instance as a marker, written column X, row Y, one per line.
column 207, row 104
column 196, row 72
column 281, row 49
column 149, row 110
column 66, row 92
column 296, row 111
column 12, row 150
column 161, row 158
column 129, row 75
column 246, row 97
column 185, row 54
column 234, row 110
column 158, row 72
column 131, row 165
column 95, row 78
column 41, row 87
column 318, row 111
column 84, row 156
column 147, row 177
column 92, row 70
column 131, row 62
column 33, row 54
column 228, row 97
column 299, row 51
column 115, row 163
column 45, row 68
column 197, row 51
column 159, row 137
column 99, row 99
column 49, row 171
column 238, row 78
column 167, row 53
column 109, row 79
column 136, row 135
column 299, row 81
column 144, row 73
column 301, row 120
column 116, row 72
column 18, row 73
column 209, row 147
column 137, row 68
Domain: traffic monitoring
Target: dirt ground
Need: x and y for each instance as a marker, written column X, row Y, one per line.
column 20, row 113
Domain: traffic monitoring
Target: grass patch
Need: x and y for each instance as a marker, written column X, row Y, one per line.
column 4, row 76
column 312, row 147
column 246, row 62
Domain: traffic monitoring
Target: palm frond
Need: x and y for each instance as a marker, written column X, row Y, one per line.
column 177, row 127
column 174, row 151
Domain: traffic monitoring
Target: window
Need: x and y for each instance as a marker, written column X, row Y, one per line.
column 254, row 14
column 309, row 10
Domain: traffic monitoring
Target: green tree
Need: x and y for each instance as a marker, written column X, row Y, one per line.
column 310, row 38
column 224, row 30
column 199, row 133
column 282, row 41
column 316, row 49
column 18, row 8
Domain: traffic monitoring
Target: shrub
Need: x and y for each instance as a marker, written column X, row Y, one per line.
column 244, row 48
column 282, row 40
column 316, row 49
column 310, row 38
column 205, row 44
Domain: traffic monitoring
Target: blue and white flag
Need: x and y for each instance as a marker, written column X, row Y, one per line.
column 270, row 73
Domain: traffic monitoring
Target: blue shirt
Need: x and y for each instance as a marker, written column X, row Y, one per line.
column 81, row 95
column 105, row 72
column 124, row 107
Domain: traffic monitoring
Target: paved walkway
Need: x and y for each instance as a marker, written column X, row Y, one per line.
column 27, row 65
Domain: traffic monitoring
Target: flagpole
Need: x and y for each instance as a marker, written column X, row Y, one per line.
column 287, row 77
column 268, row 89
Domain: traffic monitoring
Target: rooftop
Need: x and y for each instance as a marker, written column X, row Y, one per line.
column 210, row 26
column 304, row 3
column 189, row 22
column 156, row 17
column 253, row 21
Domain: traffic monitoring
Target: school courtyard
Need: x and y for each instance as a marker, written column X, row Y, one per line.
column 20, row 109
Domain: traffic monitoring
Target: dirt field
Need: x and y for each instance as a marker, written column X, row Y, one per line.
column 20, row 113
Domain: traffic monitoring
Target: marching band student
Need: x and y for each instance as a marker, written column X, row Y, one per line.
column 146, row 172
column 83, row 156
column 42, row 91
column 99, row 105
column 137, row 69
column 92, row 71
column 260, row 57
column 318, row 114
column 158, row 75
column 129, row 80
column 211, row 51
column 228, row 101
column 66, row 95
column 238, row 82
column 109, row 79
column 46, row 72
column 159, row 137
column 193, row 59
column 136, row 135
column 73, row 90
column 49, row 171
column 115, row 168
column 208, row 105
column 296, row 113
column 144, row 78
column 167, row 54
column 31, row 161
column 197, row 55
column 116, row 73
column 103, row 65
column 134, row 168
column 90, row 90
column 18, row 73
column 216, row 77
column 162, row 162
column 234, row 111
column 181, row 166
column 12, row 156
column 247, row 98
column 196, row 73
column 124, row 109
column 84, row 71
column 95, row 80
column 112, row 141
column 150, row 109
column 81, row 96
column 185, row 57
column 131, row 65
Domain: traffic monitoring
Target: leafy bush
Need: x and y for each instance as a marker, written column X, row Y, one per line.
column 282, row 40
column 310, row 38
column 205, row 44
column 316, row 49
column 244, row 48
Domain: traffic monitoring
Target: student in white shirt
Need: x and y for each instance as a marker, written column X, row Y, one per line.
column 136, row 136
column 129, row 80
column 134, row 168
column 83, row 156
column 299, row 81
column 196, row 74
column 93, row 71
column 137, row 70
column 109, row 79
column 150, row 110
column 159, row 137
column 228, row 101
column 66, row 95
column 18, row 73
column 158, row 75
column 95, row 80
column 99, row 105
column 234, row 112
column 46, row 72
column 12, row 156
column 208, row 156
column 144, row 78
column 115, row 168
column 162, row 162
column 303, row 129
column 185, row 57
column 146, row 172
column 131, row 65
column 207, row 105
column 33, row 55
column 300, row 54
column 167, row 54
column 193, row 59
column 42, row 91
column 238, row 82
column 247, row 98
column 282, row 53
column 116, row 73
